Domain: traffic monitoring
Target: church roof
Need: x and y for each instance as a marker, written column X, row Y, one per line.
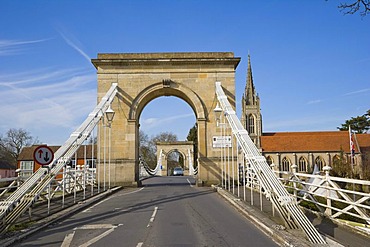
column 319, row 141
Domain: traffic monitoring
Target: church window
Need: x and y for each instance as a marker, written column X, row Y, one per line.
column 302, row 164
column 285, row 164
column 319, row 162
column 251, row 129
column 269, row 160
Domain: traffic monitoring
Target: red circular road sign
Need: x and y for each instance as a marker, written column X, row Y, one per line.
column 43, row 155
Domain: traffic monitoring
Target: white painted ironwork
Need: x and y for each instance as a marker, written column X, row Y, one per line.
column 269, row 183
column 151, row 172
column 28, row 193
column 192, row 171
column 312, row 187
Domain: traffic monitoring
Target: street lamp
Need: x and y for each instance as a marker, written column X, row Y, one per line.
column 109, row 113
column 217, row 112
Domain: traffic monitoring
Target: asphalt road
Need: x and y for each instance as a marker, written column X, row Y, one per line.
column 167, row 211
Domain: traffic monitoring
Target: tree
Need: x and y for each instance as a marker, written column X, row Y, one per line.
column 359, row 5
column 193, row 136
column 341, row 167
column 165, row 137
column 146, row 150
column 148, row 146
column 359, row 124
column 12, row 143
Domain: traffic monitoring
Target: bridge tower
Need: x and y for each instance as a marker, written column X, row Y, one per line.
column 141, row 78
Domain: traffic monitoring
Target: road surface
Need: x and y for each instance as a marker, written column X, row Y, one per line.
column 167, row 211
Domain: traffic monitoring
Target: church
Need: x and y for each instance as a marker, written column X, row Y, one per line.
column 303, row 149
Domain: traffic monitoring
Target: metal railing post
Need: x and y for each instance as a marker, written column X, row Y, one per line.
column 328, row 210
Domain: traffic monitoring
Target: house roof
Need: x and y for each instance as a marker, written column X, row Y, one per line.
column 27, row 152
column 320, row 141
column 5, row 165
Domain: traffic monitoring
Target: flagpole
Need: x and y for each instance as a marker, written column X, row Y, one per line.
column 352, row 152
column 351, row 147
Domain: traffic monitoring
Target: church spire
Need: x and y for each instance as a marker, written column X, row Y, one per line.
column 250, row 94
column 251, row 112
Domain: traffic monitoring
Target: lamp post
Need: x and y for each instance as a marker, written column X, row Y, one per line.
column 218, row 111
column 109, row 113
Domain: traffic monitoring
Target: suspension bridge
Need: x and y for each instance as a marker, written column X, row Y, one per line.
column 205, row 81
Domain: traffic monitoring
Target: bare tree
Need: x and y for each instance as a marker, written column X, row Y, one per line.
column 148, row 148
column 12, row 143
column 362, row 6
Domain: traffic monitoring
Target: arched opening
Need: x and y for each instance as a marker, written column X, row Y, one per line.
column 251, row 124
column 175, row 159
column 165, row 119
column 319, row 162
column 302, row 164
column 269, row 160
column 285, row 164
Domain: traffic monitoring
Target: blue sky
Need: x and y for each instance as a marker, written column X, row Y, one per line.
column 311, row 63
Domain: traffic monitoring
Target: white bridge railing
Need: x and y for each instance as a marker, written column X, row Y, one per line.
column 268, row 182
column 45, row 179
column 333, row 196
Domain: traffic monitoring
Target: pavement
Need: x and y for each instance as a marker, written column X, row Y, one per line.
column 261, row 213
column 335, row 233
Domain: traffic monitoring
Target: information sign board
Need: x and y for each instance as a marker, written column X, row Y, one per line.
column 221, row 142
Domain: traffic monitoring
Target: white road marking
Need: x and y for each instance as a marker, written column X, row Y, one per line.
column 189, row 182
column 139, row 244
column 97, row 226
column 68, row 238
column 97, row 238
column 153, row 216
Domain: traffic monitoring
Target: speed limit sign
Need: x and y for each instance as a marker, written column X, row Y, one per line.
column 43, row 155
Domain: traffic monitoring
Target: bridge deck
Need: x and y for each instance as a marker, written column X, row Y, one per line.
column 265, row 218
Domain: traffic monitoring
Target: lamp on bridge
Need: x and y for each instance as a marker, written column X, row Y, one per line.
column 109, row 113
column 217, row 112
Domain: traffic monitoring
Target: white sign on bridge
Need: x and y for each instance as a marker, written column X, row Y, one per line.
column 221, row 142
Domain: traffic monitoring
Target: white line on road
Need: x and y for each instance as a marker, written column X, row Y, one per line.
column 68, row 239
column 139, row 244
column 153, row 216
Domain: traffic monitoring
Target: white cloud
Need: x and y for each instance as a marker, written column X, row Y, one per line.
column 314, row 102
column 358, row 91
column 72, row 44
column 13, row 47
column 57, row 100
column 151, row 123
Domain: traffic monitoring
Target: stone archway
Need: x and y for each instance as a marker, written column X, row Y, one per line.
column 184, row 148
column 142, row 77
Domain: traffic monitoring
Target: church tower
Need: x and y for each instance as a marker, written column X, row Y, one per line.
column 251, row 111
